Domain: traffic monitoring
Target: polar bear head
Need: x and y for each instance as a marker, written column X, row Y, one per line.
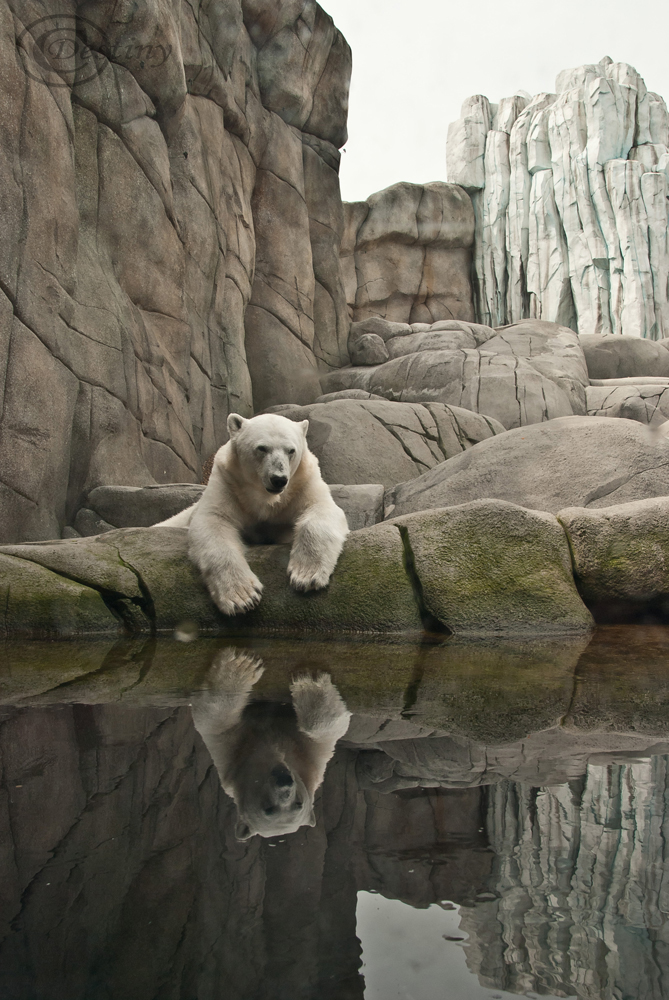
column 275, row 802
column 269, row 448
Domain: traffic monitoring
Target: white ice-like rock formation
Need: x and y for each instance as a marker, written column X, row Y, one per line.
column 570, row 197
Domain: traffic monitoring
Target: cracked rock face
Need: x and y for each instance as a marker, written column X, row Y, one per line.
column 356, row 440
column 649, row 404
column 570, row 462
column 406, row 254
column 520, row 374
column 570, row 201
column 170, row 242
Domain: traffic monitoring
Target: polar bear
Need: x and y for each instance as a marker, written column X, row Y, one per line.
column 265, row 486
column 270, row 758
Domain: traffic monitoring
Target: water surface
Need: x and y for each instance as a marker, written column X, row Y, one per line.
column 493, row 824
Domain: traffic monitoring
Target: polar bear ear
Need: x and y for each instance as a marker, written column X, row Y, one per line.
column 312, row 818
column 304, row 424
column 242, row 830
column 235, row 424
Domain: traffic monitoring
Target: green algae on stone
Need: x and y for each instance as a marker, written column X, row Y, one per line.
column 491, row 567
column 620, row 551
column 368, row 592
column 34, row 601
column 146, row 576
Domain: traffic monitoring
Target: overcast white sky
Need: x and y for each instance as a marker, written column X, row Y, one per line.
column 415, row 61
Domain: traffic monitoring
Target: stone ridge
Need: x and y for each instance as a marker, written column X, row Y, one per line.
column 170, row 241
column 387, row 580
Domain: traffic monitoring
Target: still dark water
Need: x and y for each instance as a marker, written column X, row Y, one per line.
column 493, row 823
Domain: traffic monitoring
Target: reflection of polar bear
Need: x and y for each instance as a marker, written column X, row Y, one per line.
column 270, row 758
column 265, row 486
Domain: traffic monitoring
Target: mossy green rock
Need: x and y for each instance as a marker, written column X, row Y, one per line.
column 143, row 579
column 370, row 590
column 491, row 567
column 621, row 551
column 35, row 601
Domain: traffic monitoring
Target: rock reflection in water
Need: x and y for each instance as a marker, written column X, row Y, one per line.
column 582, row 872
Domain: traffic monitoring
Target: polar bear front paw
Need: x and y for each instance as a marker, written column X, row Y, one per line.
column 234, row 670
column 236, row 596
column 307, row 577
column 321, row 710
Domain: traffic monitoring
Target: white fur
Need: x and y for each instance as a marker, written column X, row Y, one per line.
column 264, row 454
column 247, row 751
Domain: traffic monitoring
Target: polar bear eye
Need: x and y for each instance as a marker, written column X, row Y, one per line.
column 291, row 452
column 270, row 810
column 262, row 449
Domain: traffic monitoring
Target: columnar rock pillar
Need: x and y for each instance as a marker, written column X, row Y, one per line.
column 570, row 195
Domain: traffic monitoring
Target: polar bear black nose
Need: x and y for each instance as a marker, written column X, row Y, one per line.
column 282, row 776
column 278, row 482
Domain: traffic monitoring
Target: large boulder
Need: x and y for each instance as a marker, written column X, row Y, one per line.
column 552, row 349
column 520, row 375
column 494, row 567
column 649, row 404
column 406, row 254
column 137, row 507
column 110, row 507
column 613, row 356
column 507, row 388
column 622, row 552
column 358, row 440
column 573, row 461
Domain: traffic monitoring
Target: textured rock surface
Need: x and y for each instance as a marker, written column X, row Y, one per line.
column 358, row 440
column 406, row 254
column 573, row 461
column 170, row 240
column 649, row 404
column 622, row 551
column 570, row 199
column 624, row 357
column 492, row 567
column 523, row 374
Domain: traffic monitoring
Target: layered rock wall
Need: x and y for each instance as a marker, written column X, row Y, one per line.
column 170, row 241
column 570, row 196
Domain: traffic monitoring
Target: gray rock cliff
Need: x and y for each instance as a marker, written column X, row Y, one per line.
column 170, row 241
